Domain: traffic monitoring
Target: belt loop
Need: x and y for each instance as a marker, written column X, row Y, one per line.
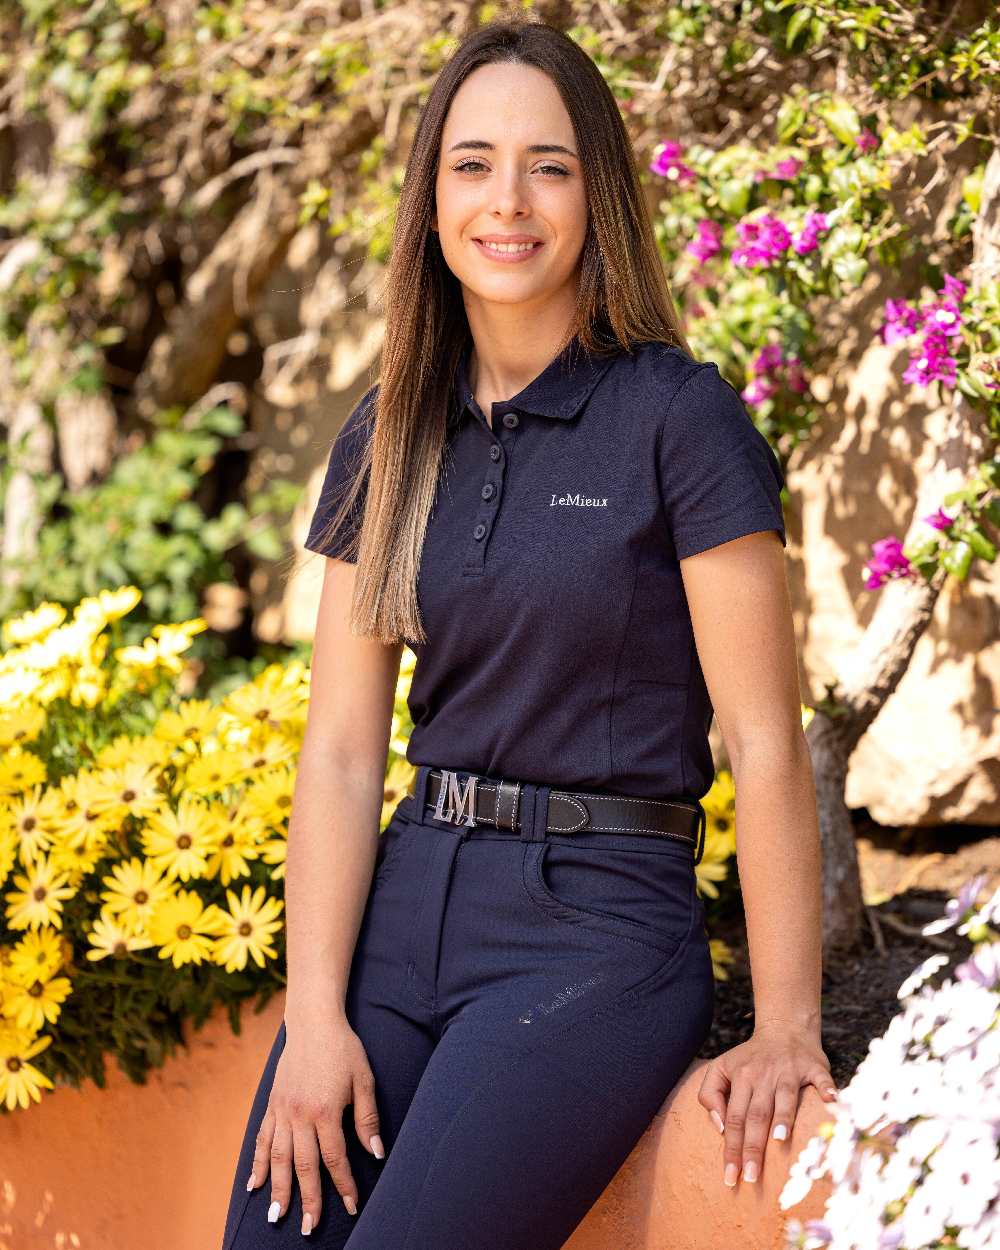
column 702, row 824
column 534, row 812
column 420, row 791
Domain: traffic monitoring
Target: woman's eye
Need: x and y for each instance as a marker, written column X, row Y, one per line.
column 550, row 170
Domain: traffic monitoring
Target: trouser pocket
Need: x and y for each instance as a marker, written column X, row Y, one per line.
column 608, row 883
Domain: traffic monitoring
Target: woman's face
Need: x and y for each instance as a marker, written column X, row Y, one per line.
column 492, row 185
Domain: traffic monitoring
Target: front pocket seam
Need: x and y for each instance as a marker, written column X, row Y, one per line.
column 549, row 903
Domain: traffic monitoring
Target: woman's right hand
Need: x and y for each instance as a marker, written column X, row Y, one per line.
column 318, row 1073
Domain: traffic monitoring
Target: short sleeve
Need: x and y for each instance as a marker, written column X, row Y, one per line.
column 719, row 478
column 343, row 464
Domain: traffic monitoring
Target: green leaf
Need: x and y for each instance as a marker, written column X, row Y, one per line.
column 791, row 118
column 957, row 559
column 842, row 119
column 734, row 196
column 980, row 544
column 797, row 21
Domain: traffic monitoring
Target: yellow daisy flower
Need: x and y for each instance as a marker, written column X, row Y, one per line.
column 79, row 858
column 189, row 725
column 184, row 928
column 20, row 770
column 237, row 845
column 30, row 826
column 256, row 704
column 31, row 1006
column 78, row 813
column 37, row 956
column 397, row 779
column 263, row 753
column 132, row 790
column 21, row 1081
column 115, row 604
column 89, row 686
column 275, row 851
column 110, row 936
column 180, row 842
column 269, row 799
column 9, row 845
column 721, row 954
column 135, row 889
column 125, row 750
column 40, row 899
column 213, row 772
column 246, row 929
column 34, row 625
column 21, row 726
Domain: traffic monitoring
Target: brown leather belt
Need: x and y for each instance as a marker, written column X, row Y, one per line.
column 469, row 799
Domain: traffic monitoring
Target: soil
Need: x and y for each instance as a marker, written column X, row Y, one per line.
column 907, row 876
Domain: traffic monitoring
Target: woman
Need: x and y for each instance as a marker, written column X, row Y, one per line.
column 578, row 529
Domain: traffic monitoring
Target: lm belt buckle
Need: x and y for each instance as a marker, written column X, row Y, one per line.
column 461, row 799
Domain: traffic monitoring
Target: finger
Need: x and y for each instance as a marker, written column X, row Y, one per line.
column 820, row 1077
column 306, row 1154
column 366, row 1113
column 333, row 1152
column 713, row 1094
column 786, row 1098
column 281, row 1170
column 262, row 1151
column 758, row 1121
column 736, row 1118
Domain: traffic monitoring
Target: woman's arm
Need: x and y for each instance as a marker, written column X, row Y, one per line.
column 332, row 841
column 337, row 804
column 741, row 614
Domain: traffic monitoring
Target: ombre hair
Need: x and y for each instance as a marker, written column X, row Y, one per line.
column 623, row 300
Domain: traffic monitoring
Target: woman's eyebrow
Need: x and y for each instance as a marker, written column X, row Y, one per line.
column 481, row 145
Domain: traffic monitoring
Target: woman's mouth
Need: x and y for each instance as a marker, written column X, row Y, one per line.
column 508, row 253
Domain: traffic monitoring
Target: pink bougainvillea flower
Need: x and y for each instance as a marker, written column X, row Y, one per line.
column 708, row 241
column 902, row 321
column 867, row 140
column 887, row 561
column 764, row 240
column 757, row 390
column 940, row 520
column 813, row 226
column 787, row 168
column 668, row 164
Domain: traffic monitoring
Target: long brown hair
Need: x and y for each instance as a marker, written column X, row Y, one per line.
column 623, row 300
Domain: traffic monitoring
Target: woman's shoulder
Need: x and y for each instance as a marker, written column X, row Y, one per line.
column 659, row 371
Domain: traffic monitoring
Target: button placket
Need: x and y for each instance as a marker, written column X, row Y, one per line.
column 491, row 493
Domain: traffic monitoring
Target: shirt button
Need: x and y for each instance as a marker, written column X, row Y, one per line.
column 510, row 420
column 479, row 531
column 494, row 452
column 487, row 491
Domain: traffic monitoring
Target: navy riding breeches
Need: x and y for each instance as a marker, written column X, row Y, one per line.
column 527, row 1000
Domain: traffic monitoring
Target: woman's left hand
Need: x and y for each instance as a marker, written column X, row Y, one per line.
column 756, row 1084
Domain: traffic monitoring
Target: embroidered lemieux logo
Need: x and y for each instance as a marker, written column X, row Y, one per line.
column 577, row 501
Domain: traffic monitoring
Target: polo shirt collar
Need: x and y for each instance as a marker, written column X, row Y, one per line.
column 560, row 390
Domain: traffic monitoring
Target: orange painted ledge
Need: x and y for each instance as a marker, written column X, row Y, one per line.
column 149, row 1167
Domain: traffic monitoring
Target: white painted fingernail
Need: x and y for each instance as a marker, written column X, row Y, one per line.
column 717, row 1121
column 780, row 1132
column 351, row 1205
column 377, row 1148
column 750, row 1171
column 307, row 1224
column 730, row 1174
column 273, row 1211
column 250, row 1182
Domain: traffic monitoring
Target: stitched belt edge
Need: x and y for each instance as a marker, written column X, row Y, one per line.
column 497, row 803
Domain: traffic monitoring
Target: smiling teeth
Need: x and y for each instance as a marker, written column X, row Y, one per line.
column 509, row 247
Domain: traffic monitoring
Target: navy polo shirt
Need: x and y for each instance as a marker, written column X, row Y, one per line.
column 560, row 648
